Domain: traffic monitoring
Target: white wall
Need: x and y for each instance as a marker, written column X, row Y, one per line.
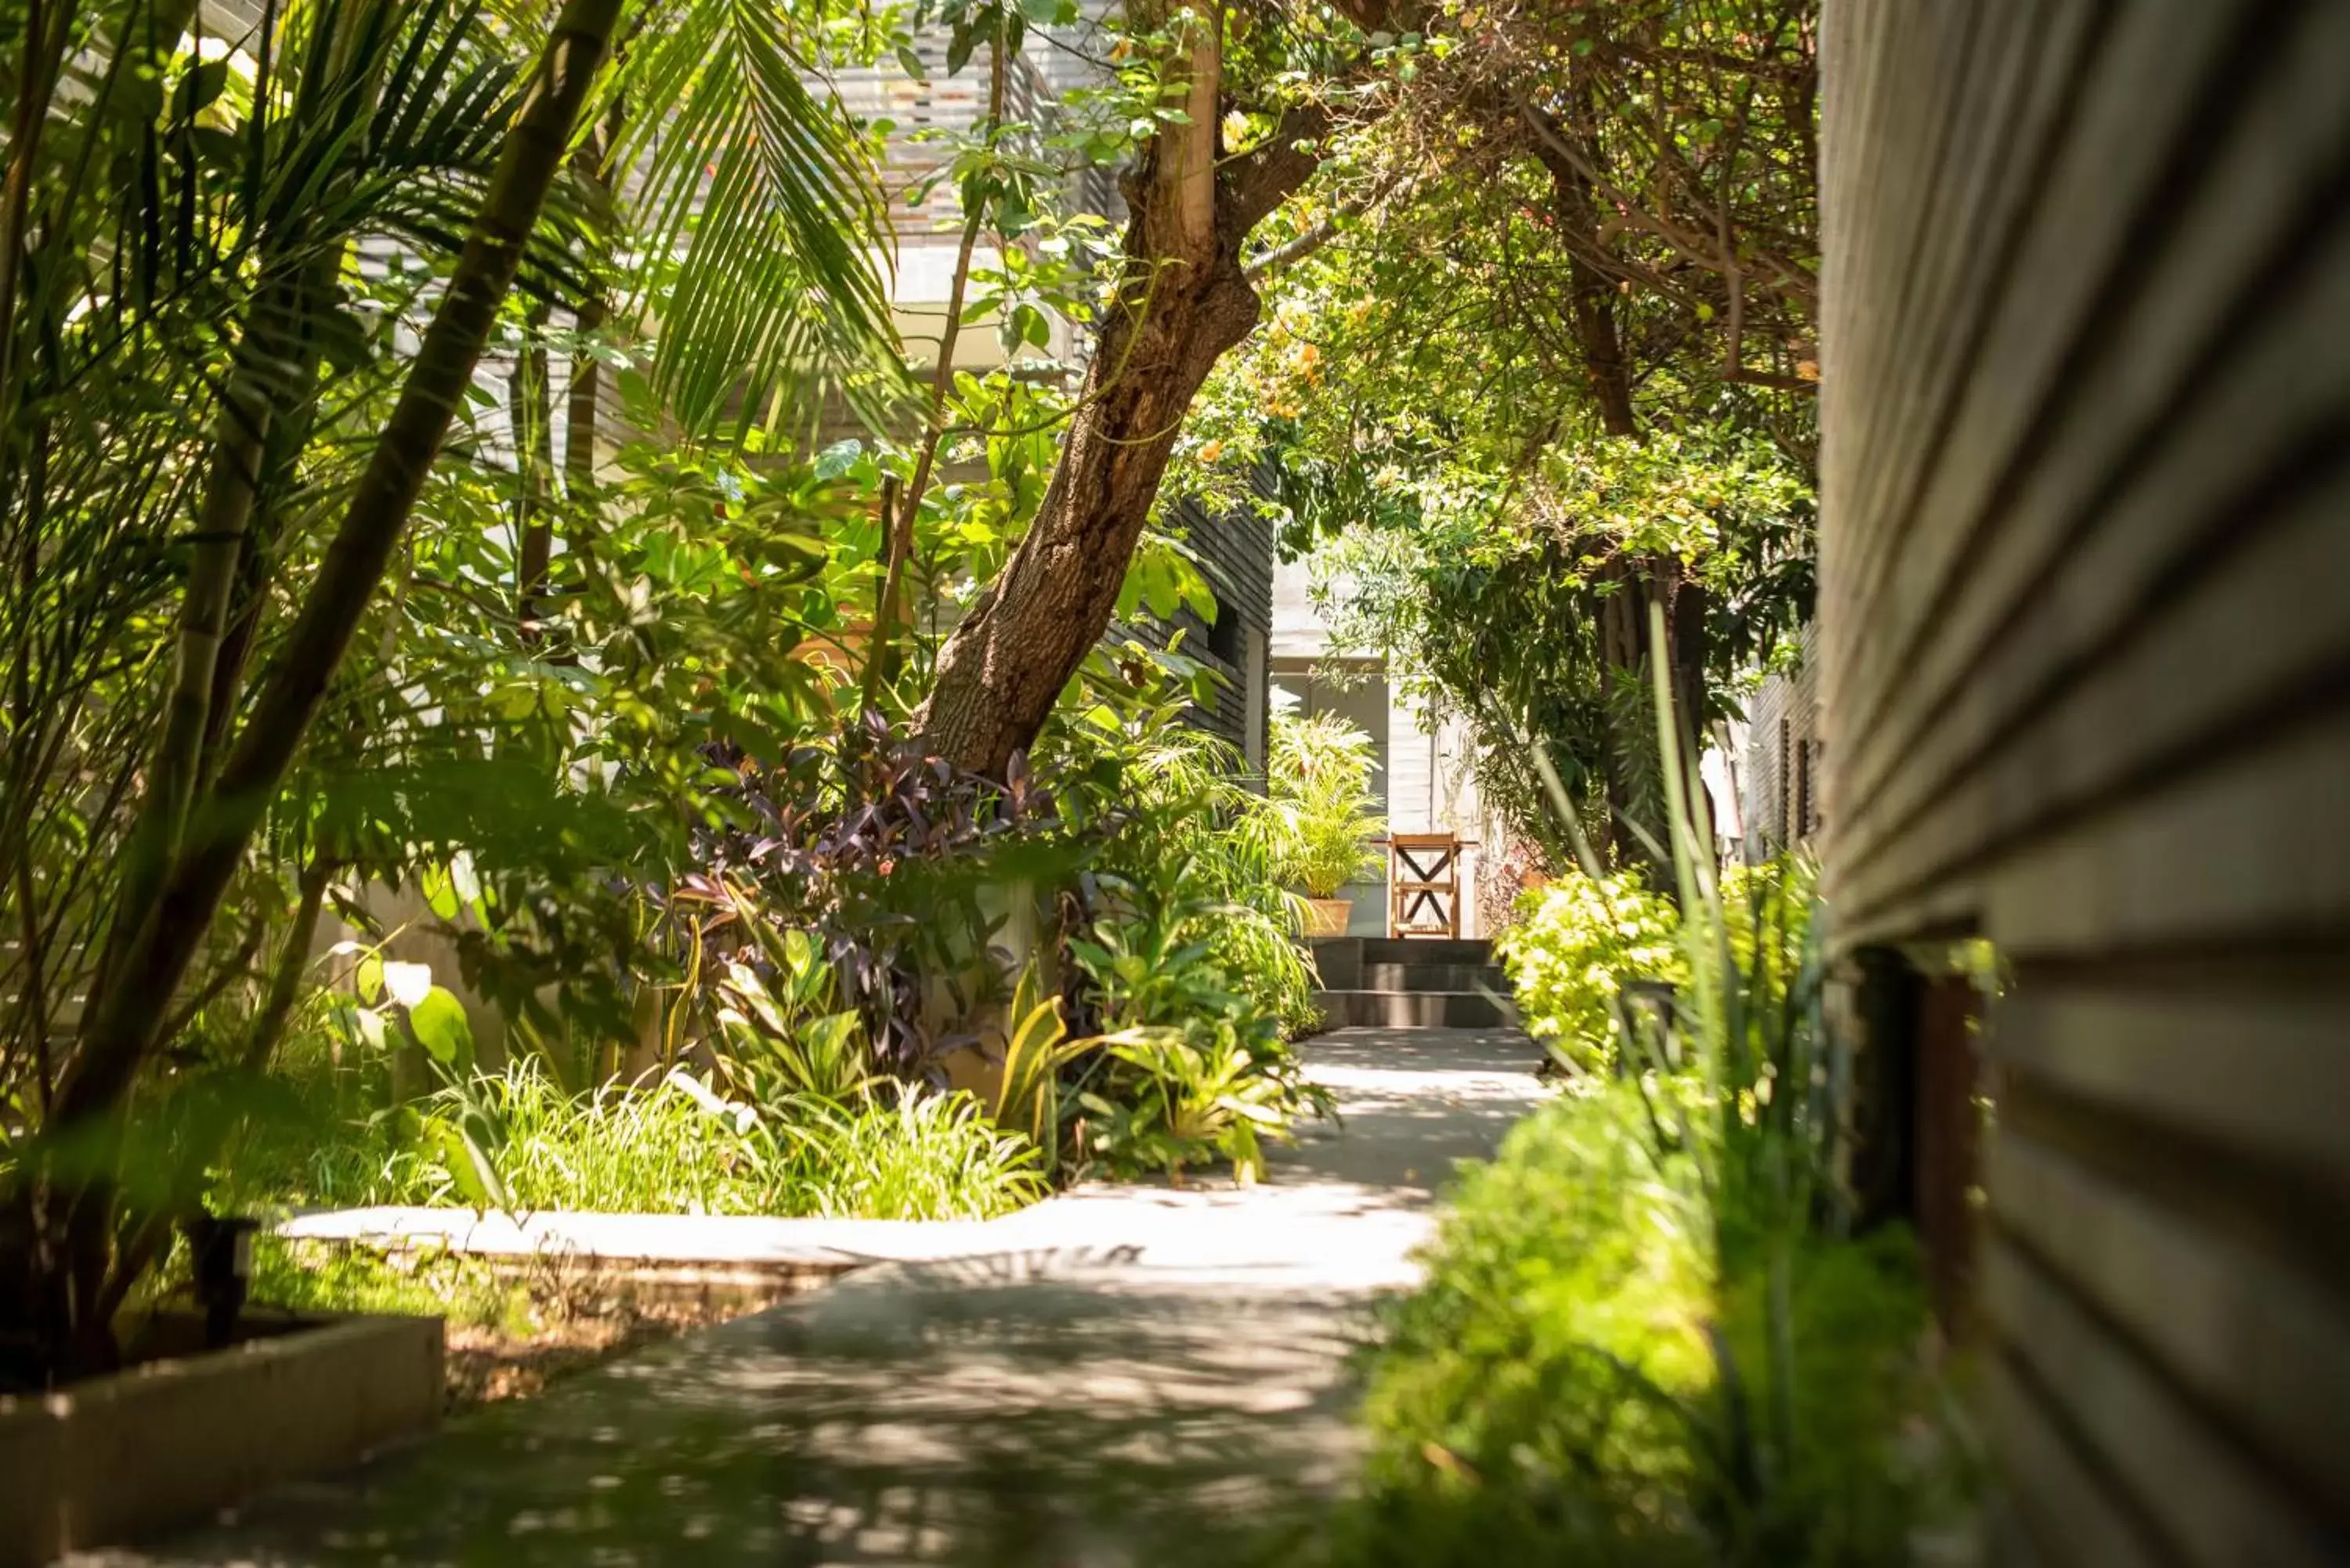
column 1428, row 781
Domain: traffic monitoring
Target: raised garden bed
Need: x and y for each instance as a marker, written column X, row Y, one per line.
column 533, row 1298
column 513, row 1323
column 184, row 1432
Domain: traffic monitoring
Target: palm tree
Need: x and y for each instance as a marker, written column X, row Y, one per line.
column 198, row 518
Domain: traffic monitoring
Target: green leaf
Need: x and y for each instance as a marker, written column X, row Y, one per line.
column 223, row 150
column 438, row 1021
column 201, row 86
column 465, row 1147
column 799, row 954
column 440, row 891
column 839, row 459
column 795, row 557
column 765, row 194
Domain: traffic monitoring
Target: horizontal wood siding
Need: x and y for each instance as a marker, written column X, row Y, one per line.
column 1780, row 773
column 1235, row 552
column 2085, row 673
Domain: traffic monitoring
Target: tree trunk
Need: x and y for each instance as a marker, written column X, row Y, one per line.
column 1603, row 351
column 1635, row 825
column 1184, row 302
column 270, row 395
column 583, row 398
column 530, row 407
column 293, row 962
column 582, row 406
column 123, row 1021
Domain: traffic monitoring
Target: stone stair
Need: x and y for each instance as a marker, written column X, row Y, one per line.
column 1382, row 982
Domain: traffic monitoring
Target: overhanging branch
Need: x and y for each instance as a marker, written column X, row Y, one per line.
column 1259, row 180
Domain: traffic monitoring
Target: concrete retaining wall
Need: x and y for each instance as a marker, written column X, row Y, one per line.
column 171, row 1441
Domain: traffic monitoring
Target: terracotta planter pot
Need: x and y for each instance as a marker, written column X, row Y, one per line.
column 1327, row 917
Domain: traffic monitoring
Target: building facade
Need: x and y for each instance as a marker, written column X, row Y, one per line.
column 1780, row 761
column 2084, row 684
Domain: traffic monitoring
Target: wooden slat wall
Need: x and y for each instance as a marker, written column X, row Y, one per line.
column 2084, row 647
column 1780, row 786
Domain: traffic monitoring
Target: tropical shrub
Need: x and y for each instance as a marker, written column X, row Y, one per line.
column 863, row 876
column 1648, row 1335
column 1183, row 950
column 1577, row 941
column 1645, row 1337
column 1183, row 1100
column 1580, row 1379
column 780, row 1107
column 1169, row 806
column 1191, row 1069
column 1318, row 788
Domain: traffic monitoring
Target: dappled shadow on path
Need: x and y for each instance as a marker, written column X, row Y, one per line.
column 1052, row 1410
column 1413, row 1103
column 1121, row 1377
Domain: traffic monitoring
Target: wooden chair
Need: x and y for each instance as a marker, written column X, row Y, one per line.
column 1424, row 885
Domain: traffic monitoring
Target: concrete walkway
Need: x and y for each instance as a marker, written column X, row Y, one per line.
column 1119, row 1376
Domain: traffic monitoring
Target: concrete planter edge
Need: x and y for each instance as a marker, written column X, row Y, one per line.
column 171, row 1442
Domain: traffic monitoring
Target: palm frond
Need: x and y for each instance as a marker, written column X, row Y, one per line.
column 761, row 193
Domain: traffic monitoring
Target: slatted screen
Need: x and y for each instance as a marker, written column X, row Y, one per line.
column 2085, row 669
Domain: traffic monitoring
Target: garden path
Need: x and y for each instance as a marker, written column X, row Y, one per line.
column 1120, row 1376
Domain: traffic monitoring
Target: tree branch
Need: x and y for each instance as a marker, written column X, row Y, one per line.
column 1252, row 185
column 1294, row 251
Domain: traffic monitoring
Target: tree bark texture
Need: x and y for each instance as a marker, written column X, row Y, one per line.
column 1185, row 301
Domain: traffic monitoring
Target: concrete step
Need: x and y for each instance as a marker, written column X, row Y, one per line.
column 1427, row 950
column 1434, row 977
column 1414, row 1009
column 1346, row 962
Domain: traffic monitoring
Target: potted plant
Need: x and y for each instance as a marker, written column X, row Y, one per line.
column 1320, row 782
